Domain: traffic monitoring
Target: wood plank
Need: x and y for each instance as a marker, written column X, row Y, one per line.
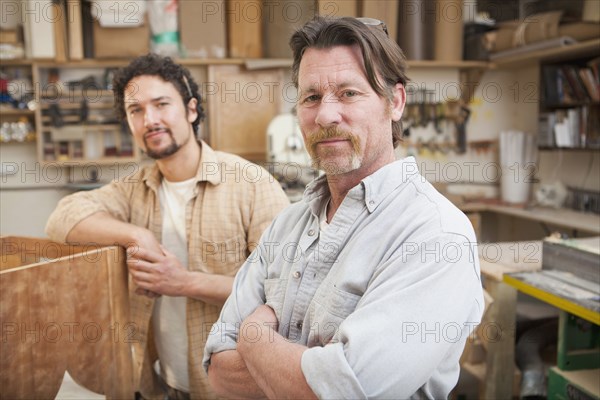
column 75, row 29
column 244, row 28
column 500, row 337
column 384, row 10
column 59, row 22
column 586, row 379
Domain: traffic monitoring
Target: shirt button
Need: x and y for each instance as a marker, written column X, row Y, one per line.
column 297, row 274
column 299, row 325
column 311, row 232
column 372, row 202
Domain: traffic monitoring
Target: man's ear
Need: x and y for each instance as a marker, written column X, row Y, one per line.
column 192, row 111
column 398, row 102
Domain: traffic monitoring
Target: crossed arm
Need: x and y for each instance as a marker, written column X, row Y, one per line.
column 264, row 364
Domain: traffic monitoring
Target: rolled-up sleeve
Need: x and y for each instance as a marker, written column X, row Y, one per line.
column 111, row 198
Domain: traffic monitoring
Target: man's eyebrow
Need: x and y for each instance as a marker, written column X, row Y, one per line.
column 133, row 102
column 311, row 89
column 316, row 88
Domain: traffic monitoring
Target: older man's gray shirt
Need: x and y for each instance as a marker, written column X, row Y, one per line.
column 384, row 297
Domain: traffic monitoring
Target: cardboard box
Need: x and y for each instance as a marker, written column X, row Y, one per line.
column 9, row 36
column 121, row 42
column 202, row 28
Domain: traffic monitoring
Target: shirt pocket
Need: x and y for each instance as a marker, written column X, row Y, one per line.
column 223, row 257
column 328, row 311
column 275, row 294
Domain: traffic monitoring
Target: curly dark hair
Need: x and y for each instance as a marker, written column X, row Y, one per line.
column 166, row 69
column 381, row 55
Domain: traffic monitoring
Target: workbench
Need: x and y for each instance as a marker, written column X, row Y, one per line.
column 501, row 222
column 577, row 373
column 497, row 372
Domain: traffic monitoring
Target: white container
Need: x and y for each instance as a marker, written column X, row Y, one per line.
column 515, row 184
column 93, row 146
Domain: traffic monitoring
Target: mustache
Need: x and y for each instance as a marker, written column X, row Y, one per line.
column 155, row 129
column 330, row 133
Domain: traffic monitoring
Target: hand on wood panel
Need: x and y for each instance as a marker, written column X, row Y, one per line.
column 158, row 271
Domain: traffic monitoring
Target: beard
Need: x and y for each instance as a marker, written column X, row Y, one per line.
column 334, row 161
column 163, row 153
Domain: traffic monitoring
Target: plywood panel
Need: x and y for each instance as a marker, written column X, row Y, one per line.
column 244, row 28
column 67, row 312
column 241, row 104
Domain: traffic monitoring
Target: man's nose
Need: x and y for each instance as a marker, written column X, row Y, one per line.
column 329, row 112
column 151, row 117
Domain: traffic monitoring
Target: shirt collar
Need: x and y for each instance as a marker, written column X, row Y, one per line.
column 208, row 169
column 372, row 190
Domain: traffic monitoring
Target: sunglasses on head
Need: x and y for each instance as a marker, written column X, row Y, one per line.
column 375, row 23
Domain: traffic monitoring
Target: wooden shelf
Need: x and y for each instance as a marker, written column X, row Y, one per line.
column 567, row 218
column 26, row 141
column 85, row 63
column 67, row 105
column 251, row 63
column 548, row 148
column 16, row 63
column 15, row 112
column 109, row 63
column 69, row 94
column 432, row 64
column 569, row 105
column 557, row 53
column 589, row 47
column 74, row 162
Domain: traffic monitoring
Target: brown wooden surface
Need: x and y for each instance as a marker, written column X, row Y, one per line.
column 75, row 29
column 59, row 21
column 338, row 8
column 281, row 19
column 244, row 28
column 67, row 313
column 383, row 10
column 498, row 332
column 242, row 108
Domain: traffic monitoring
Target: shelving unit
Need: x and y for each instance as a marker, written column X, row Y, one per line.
column 76, row 121
column 470, row 72
column 570, row 101
column 9, row 115
column 554, row 54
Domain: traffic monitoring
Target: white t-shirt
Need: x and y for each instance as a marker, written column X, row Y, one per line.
column 169, row 315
